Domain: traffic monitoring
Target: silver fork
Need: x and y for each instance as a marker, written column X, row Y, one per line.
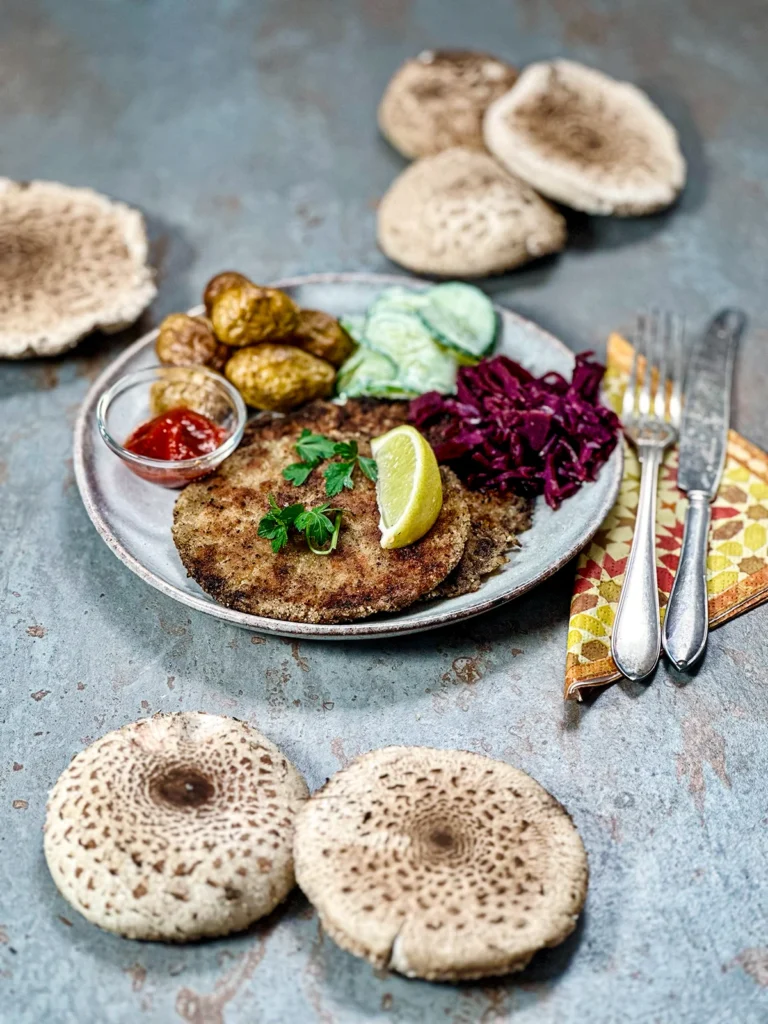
column 651, row 418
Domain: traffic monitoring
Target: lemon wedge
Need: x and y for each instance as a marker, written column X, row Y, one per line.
column 409, row 489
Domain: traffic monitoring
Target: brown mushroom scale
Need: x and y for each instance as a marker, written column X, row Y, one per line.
column 175, row 827
column 440, row 864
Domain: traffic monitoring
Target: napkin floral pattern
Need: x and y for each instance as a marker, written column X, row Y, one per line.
column 737, row 565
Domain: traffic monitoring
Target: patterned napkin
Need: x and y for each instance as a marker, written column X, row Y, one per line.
column 737, row 577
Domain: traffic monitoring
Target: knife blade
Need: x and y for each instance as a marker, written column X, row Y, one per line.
column 702, row 448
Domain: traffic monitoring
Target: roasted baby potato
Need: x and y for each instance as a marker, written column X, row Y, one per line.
column 322, row 335
column 188, row 388
column 279, row 377
column 248, row 314
column 189, row 341
column 220, row 283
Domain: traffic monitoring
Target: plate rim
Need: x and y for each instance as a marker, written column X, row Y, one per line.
column 363, row 629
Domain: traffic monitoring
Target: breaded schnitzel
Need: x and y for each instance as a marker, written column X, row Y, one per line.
column 215, row 528
column 496, row 520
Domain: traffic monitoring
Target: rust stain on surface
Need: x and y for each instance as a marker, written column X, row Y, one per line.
column 4, row 940
column 138, row 974
column 38, row 696
column 17, row 767
column 467, row 670
column 36, row 631
column 171, row 629
column 337, row 749
column 258, row 640
column 702, row 744
column 296, row 654
column 208, row 1008
column 755, row 962
column 65, row 920
column 20, row 805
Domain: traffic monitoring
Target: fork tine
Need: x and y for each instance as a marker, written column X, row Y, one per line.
column 630, row 392
column 663, row 342
column 677, row 334
column 646, row 338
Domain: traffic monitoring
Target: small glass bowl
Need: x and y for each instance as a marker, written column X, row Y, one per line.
column 126, row 405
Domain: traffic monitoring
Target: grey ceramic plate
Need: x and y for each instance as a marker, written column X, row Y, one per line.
column 134, row 517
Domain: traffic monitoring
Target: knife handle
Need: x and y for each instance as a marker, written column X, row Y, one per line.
column 636, row 637
column 686, row 623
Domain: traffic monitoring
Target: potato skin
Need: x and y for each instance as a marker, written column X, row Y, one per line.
column 189, row 341
column 188, row 388
column 248, row 314
column 322, row 335
column 220, row 283
column 279, row 377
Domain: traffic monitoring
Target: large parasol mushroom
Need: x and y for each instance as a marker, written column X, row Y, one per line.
column 175, row 827
column 71, row 261
column 441, row 864
column 461, row 214
column 437, row 100
column 586, row 140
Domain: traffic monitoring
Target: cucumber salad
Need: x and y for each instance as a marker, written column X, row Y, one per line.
column 411, row 342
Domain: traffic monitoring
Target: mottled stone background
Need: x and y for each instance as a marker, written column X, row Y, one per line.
column 246, row 133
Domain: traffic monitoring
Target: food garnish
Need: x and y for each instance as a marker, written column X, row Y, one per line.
column 509, row 430
column 176, row 435
column 315, row 523
column 409, row 490
column 314, row 449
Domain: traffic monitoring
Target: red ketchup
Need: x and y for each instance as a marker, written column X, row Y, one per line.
column 174, row 435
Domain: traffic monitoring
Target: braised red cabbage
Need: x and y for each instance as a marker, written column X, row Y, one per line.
column 508, row 430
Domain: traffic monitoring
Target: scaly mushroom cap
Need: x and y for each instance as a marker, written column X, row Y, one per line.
column 438, row 100
column 71, row 261
column 586, row 140
column 461, row 214
column 440, row 864
column 175, row 827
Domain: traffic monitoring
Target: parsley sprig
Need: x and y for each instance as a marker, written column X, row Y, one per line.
column 321, row 532
column 314, row 449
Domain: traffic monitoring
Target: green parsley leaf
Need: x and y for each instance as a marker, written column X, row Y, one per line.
column 298, row 472
column 346, row 449
column 338, row 475
column 369, row 467
column 274, row 526
column 319, row 529
column 313, row 448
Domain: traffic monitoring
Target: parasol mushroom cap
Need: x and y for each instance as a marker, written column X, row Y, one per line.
column 461, row 214
column 438, row 99
column 71, row 262
column 175, row 827
column 586, row 140
column 440, row 864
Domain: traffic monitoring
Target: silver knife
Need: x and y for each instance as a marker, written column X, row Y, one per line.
column 703, row 441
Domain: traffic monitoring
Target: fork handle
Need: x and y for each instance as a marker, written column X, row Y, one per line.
column 686, row 623
column 636, row 638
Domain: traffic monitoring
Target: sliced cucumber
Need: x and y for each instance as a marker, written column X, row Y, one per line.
column 370, row 374
column 422, row 364
column 398, row 299
column 461, row 317
column 354, row 326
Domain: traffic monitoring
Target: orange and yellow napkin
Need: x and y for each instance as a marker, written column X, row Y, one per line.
column 737, row 566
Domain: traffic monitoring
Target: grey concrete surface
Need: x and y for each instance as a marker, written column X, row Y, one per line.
column 246, row 133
